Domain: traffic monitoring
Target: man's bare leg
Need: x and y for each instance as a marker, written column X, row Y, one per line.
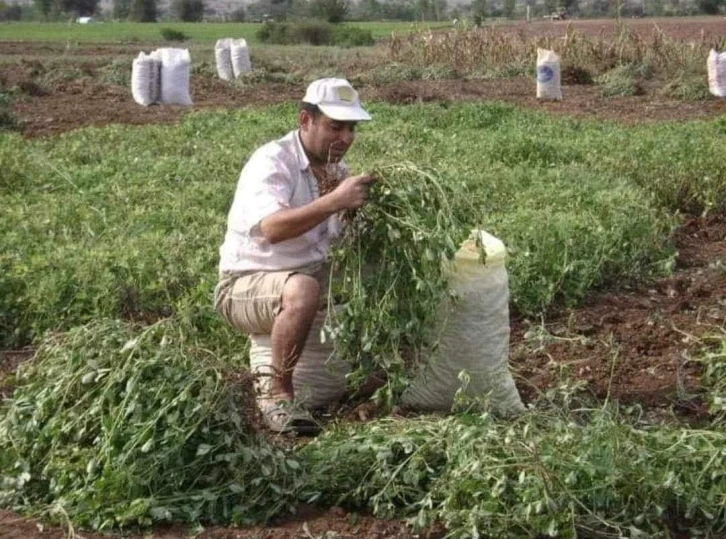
column 300, row 302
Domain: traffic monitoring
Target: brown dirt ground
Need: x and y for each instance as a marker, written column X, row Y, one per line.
column 633, row 345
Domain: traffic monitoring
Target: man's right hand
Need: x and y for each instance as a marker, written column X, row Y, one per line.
column 352, row 192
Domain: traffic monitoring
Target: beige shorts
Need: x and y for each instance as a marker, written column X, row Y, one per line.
column 250, row 301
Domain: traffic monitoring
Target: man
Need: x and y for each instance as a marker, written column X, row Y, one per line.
column 279, row 231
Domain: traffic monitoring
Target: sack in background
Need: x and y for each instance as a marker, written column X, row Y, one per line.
column 473, row 335
column 175, row 68
column 146, row 79
column 548, row 75
column 716, row 65
column 223, row 59
column 240, row 57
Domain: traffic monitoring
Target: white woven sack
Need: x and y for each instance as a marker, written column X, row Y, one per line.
column 145, row 79
column 474, row 335
column 175, row 67
column 319, row 377
column 717, row 73
column 240, row 57
column 548, row 75
column 223, row 59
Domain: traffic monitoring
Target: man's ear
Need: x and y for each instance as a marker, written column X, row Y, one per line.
column 304, row 119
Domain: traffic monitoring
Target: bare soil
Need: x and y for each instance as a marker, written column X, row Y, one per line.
column 633, row 345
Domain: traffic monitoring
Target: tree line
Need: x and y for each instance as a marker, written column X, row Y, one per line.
column 341, row 10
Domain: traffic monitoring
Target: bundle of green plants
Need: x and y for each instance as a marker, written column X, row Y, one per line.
column 573, row 231
column 682, row 164
column 621, row 81
column 170, row 34
column 713, row 360
column 314, row 32
column 112, row 425
column 389, row 270
column 593, row 472
column 688, row 86
column 7, row 118
column 351, row 36
column 284, row 33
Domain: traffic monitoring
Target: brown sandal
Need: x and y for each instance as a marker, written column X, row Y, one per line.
column 282, row 416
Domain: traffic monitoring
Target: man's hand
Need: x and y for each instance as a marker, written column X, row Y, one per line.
column 352, row 192
column 290, row 223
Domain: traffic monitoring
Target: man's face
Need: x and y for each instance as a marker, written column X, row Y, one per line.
column 326, row 140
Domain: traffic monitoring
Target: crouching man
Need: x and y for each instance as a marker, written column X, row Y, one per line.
column 284, row 215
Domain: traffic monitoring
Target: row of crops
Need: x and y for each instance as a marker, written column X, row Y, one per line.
column 128, row 413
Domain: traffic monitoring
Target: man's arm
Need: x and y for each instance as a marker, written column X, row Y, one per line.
column 293, row 222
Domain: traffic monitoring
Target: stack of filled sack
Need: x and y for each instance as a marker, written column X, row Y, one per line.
column 232, row 57
column 161, row 77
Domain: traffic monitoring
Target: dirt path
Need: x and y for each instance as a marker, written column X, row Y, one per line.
column 86, row 103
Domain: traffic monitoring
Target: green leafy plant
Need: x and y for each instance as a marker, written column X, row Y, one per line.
column 713, row 359
column 547, row 473
column 115, row 425
column 170, row 34
column 389, row 270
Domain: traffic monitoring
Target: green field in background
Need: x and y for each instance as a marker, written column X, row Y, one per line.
column 145, row 32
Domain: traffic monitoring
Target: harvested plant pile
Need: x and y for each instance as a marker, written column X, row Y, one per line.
column 113, row 425
column 592, row 473
column 389, row 270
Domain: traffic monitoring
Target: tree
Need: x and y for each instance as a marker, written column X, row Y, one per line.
column 479, row 11
column 401, row 10
column 121, row 9
column 710, row 7
column 655, row 8
column 78, row 7
column 370, row 10
column 143, row 11
column 10, row 13
column 508, row 8
column 44, row 7
column 188, row 10
column 572, row 7
column 331, row 10
column 238, row 15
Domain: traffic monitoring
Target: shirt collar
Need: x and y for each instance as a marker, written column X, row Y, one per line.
column 302, row 157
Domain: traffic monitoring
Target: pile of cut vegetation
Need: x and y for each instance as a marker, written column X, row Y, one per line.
column 112, row 425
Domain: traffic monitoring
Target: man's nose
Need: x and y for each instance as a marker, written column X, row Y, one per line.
column 347, row 136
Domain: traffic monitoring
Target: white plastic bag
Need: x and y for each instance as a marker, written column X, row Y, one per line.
column 175, row 67
column 145, row 79
column 240, row 57
column 223, row 59
column 548, row 75
column 473, row 335
column 319, row 377
column 717, row 73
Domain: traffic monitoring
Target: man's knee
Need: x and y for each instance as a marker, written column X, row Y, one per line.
column 301, row 293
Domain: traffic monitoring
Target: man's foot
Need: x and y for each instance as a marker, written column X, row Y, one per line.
column 283, row 416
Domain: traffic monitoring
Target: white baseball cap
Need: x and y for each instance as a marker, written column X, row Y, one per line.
column 337, row 99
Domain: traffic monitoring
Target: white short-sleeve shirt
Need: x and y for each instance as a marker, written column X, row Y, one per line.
column 276, row 177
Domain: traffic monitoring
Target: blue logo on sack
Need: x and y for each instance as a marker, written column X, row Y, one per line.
column 544, row 73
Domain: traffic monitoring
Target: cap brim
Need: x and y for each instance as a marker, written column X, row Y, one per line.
column 345, row 113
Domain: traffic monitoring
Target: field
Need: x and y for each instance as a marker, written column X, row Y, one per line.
column 611, row 204
column 138, row 33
